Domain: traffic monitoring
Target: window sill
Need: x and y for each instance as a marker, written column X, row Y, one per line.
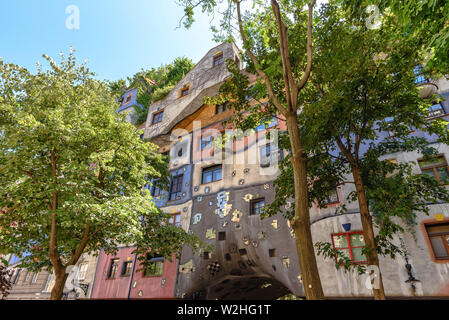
column 203, row 184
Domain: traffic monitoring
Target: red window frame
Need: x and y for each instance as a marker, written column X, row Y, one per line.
column 350, row 247
column 174, row 215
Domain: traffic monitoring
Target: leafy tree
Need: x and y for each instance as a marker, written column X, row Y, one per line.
column 277, row 41
column 362, row 85
column 72, row 172
column 165, row 77
column 425, row 19
column 5, row 283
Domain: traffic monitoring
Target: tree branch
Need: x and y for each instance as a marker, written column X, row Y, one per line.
column 262, row 74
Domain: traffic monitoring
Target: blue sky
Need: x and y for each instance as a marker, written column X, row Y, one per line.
column 118, row 37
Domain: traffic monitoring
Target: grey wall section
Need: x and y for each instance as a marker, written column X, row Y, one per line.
column 245, row 265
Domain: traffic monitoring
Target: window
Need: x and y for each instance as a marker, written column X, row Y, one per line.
column 419, row 76
column 333, row 197
column 156, row 266
column 176, row 188
column 436, row 110
column 439, row 240
column 264, row 126
column 218, row 59
column 83, row 271
column 206, row 142
column 185, row 91
column 249, row 97
column 157, row 117
column 128, row 99
column 50, row 282
column 35, row 276
column 219, row 108
column 17, row 277
column 28, row 276
column 211, row 174
column 157, row 191
column 113, row 268
column 437, row 169
column 127, row 268
column 175, row 219
column 350, row 245
column 257, row 206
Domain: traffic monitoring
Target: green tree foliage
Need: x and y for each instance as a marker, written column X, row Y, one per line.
column 425, row 19
column 363, row 85
column 5, row 283
column 166, row 77
column 73, row 172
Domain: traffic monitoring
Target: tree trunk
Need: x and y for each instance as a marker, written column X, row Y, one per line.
column 60, row 279
column 301, row 225
column 367, row 224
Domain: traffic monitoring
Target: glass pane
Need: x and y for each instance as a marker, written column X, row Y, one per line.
column 217, row 175
column 438, row 247
column 358, row 255
column 340, row 241
column 429, row 172
column 356, row 240
column 207, row 177
column 345, row 253
column 443, row 174
column 431, row 163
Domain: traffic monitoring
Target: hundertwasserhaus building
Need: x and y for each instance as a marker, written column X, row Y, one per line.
column 220, row 199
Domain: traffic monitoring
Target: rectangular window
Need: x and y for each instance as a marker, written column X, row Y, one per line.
column 211, row 174
column 419, row 75
column 156, row 190
column 333, row 197
column 437, row 169
column 219, row 108
column 218, row 59
column 156, row 266
column 350, row 245
column 157, row 117
column 176, row 188
column 257, row 206
column 206, row 142
column 35, row 276
column 436, row 110
column 83, row 271
column 28, row 276
column 175, row 219
column 17, row 276
column 185, row 91
column 439, row 239
column 50, row 283
column 113, row 268
column 127, row 268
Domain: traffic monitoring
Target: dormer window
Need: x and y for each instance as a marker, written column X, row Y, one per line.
column 218, row 59
column 157, row 117
column 184, row 91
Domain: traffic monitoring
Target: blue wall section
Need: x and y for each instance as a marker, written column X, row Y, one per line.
column 162, row 200
column 131, row 103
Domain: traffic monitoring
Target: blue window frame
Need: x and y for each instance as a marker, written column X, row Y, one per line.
column 206, row 142
column 212, row 174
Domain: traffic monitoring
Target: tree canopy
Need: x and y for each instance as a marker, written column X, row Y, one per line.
column 165, row 78
column 73, row 172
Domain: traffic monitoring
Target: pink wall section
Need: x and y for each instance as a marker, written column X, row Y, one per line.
column 118, row 288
